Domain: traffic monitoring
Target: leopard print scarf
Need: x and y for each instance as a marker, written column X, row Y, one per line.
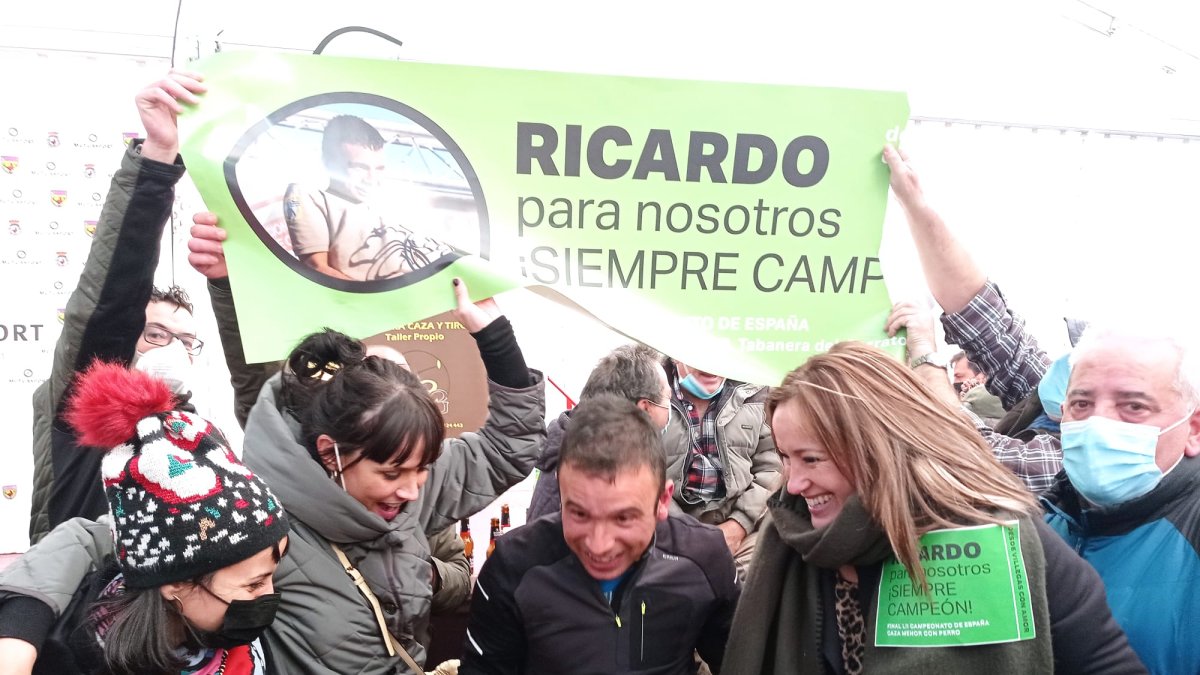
column 850, row 625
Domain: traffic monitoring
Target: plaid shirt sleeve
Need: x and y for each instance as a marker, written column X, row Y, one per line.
column 1036, row 461
column 995, row 338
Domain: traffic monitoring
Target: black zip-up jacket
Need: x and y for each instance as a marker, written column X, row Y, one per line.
column 536, row 610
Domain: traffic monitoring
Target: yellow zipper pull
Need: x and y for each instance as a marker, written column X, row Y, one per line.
column 643, row 608
column 618, row 621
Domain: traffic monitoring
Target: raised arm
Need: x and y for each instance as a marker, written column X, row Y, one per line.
column 207, row 256
column 976, row 316
column 921, row 343
column 951, row 273
column 478, row 467
column 106, row 312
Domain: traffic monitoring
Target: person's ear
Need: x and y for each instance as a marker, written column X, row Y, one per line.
column 663, row 506
column 1191, row 447
column 171, row 592
column 644, row 405
column 325, row 452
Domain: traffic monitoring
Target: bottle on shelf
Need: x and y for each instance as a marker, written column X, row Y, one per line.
column 468, row 543
column 492, row 538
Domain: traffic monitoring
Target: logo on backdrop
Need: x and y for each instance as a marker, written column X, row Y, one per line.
column 57, row 288
column 10, row 491
column 58, row 197
column 89, row 228
column 93, row 141
column 17, row 196
column 14, row 227
column 129, row 137
column 52, row 139
column 89, row 170
column 10, row 163
column 51, row 169
column 15, row 137
column 61, row 259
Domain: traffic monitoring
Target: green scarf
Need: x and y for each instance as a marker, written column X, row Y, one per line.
column 777, row 628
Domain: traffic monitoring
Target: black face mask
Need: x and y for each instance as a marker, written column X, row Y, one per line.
column 245, row 621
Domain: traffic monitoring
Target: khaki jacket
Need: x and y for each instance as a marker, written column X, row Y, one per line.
column 747, row 449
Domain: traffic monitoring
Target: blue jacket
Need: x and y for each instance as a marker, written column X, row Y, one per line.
column 1147, row 551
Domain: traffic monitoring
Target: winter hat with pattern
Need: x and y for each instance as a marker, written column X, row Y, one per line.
column 182, row 504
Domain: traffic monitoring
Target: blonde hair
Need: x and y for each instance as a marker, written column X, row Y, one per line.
column 916, row 463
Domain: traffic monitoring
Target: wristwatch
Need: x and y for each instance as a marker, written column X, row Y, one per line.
column 932, row 358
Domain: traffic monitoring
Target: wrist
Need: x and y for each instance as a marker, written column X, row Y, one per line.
column 159, row 152
column 928, row 359
column 918, row 348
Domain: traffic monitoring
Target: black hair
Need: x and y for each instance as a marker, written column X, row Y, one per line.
column 142, row 631
column 349, row 129
column 609, row 434
column 375, row 406
column 315, row 360
column 629, row 371
column 173, row 295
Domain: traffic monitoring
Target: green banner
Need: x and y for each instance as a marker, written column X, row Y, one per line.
column 976, row 592
column 734, row 226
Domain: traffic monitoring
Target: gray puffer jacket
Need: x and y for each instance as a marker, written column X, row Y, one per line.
column 324, row 624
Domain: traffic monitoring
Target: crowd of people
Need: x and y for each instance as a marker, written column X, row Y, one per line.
column 865, row 515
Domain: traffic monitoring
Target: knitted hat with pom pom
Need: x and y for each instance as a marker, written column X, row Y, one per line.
column 181, row 502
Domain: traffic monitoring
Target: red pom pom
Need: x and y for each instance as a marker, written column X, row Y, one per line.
column 109, row 401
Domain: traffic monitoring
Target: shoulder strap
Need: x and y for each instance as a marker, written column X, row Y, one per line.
column 392, row 645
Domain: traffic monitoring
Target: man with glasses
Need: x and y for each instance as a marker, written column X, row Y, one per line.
column 115, row 313
column 632, row 372
column 169, row 344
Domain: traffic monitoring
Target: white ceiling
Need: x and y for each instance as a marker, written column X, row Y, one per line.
column 1046, row 62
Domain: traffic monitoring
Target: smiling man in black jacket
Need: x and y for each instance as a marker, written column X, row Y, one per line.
column 613, row 584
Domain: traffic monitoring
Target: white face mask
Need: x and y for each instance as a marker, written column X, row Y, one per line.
column 171, row 364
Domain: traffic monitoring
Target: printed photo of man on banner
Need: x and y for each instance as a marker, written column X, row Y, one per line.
column 733, row 226
column 372, row 195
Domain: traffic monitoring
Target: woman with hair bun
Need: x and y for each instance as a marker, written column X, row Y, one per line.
column 355, row 446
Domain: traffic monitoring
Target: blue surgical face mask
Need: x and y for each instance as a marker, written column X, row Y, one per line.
column 691, row 386
column 1111, row 462
column 1052, row 390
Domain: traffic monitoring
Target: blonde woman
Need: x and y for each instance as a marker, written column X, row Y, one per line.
column 899, row 544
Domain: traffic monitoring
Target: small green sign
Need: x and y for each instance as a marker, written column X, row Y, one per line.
column 976, row 592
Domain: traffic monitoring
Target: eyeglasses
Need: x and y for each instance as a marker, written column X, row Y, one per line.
column 669, row 408
column 161, row 337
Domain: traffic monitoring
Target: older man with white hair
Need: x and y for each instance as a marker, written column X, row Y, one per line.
column 1128, row 499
